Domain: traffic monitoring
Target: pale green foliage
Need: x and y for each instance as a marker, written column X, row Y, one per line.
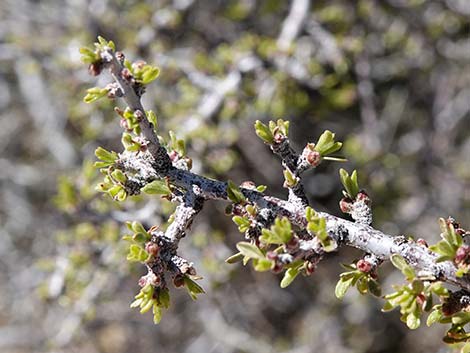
column 317, row 226
column 350, row 183
column 364, row 282
column 280, row 232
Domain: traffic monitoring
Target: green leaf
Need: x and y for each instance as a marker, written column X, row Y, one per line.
column 400, row 263
column 242, row 223
column 291, row 179
column 261, row 188
column 157, row 314
column 342, row 287
column 263, row 132
column 159, row 187
column 250, row 250
column 95, row 93
column 289, row 276
column 89, row 56
column 349, row 182
column 193, row 288
column 374, row 287
column 388, row 306
column 137, row 254
column 235, row 258
column 152, row 118
column 412, row 321
column 434, row 316
column 149, row 74
column 164, row 298
column 106, row 156
column 262, row 265
column 280, row 233
column 234, row 193
column 119, row 176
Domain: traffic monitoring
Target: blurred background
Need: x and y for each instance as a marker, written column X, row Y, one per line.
column 391, row 78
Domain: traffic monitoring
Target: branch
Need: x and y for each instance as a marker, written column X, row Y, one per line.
column 298, row 237
column 344, row 232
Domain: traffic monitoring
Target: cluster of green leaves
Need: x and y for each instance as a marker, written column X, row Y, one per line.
column 192, row 287
column 268, row 132
column 457, row 332
column 448, row 246
column 92, row 55
column 95, row 93
column 153, row 298
column 152, row 118
column 280, row 232
column 350, row 183
column 114, row 179
column 138, row 239
column 364, row 282
column 129, row 143
column 143, row 73
column 274, row 241
column 243, row 223
column 413, row 298
column 176, row 144
column 327, row 145
column 132, row 121
column 249, row 251
column 317, row 226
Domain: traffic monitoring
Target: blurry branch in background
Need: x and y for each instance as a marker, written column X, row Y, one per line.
column 281, row 235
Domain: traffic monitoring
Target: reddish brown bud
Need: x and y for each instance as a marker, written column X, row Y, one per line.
column 277, row 268
column 152, row 248
column 139, row 115
column 120, row 56
column 422, row 242
column 178, row 281
column 364, row 266
column 95, row 68
column 126, row 74
column 173, row 156
column 421, row 300
column 362, row 196
column 191, row 271
column 142, row 281
column 462, row 255
column 346, row 205
column 293, row 243
column 279, row 138
column 310, row 268
column 271, row 255
column 313, row 158
column 124, row 124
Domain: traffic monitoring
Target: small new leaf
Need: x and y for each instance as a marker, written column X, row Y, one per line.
column 350, row 183
column 159, row 187
column 250, row 250
column 193, row 288
column 263, row 132
column 234, row 193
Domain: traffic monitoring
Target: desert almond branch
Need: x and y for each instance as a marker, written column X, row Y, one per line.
column 280, row 235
